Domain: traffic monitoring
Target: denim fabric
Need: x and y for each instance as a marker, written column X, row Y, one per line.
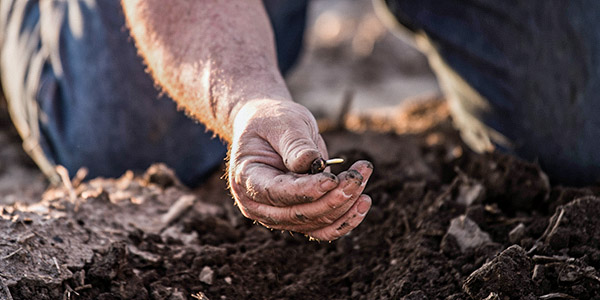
column 523, row 76
column 96, row 106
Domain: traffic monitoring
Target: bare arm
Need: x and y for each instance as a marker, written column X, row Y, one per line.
column 210, row 56
column 217, row 60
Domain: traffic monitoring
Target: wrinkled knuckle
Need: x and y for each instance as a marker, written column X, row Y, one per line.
column 299, row 218
column 270, row 221
column 334, row 204
column 296, row 217
column 269, row 193
column 290, row 138
column 327, row 220
column 302, row 146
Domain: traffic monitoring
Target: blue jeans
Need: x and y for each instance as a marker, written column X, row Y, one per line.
column 74, row 80
column 521, row 76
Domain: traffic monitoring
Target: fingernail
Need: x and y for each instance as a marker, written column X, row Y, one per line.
column 351, row 186
column 363, row 206
column 328, row 184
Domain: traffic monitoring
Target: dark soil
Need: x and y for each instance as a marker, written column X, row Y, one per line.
column 446, row 223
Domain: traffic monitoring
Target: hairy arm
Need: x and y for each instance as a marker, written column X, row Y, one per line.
column 216, row 59
column 210, row 56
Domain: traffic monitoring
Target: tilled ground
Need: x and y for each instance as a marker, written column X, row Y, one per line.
column 445, row 224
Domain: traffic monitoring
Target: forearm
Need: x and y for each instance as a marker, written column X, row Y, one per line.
column 210, row 56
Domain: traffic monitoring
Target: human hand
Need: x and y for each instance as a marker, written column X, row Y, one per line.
column 273, row 146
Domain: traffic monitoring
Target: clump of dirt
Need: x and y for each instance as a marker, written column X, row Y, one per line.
column 507, row 275
column 446, row 223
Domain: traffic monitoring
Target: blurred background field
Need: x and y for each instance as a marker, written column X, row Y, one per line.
column 348, row 49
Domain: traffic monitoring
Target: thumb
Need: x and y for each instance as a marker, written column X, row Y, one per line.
column 298, row 150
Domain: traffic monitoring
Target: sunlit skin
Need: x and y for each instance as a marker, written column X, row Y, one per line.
column 217, row 60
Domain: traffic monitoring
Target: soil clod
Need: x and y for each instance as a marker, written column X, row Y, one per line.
column 438, row 221
column 506, row 275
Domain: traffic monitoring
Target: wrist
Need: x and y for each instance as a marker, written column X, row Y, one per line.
column 257, row 89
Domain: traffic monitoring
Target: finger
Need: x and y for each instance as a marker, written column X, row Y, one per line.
column 346, row 223
column 333, row 204
column 290, row 189
column 298, row 150
column 307, row 214
column 304, row 218
column 296, row 141
column 269, row 186
column 322, row 147
column 338, row 202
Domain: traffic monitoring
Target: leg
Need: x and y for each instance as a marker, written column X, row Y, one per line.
column 520, row 76
column 288, row 19
column 97, row 107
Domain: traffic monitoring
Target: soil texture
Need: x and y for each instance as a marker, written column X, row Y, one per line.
column 446, row 223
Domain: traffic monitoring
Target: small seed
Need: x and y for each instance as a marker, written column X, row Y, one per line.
column 319, row 164
column 334, row 161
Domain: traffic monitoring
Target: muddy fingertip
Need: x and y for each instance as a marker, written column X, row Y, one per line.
column 354, row 174
column 331, row 176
